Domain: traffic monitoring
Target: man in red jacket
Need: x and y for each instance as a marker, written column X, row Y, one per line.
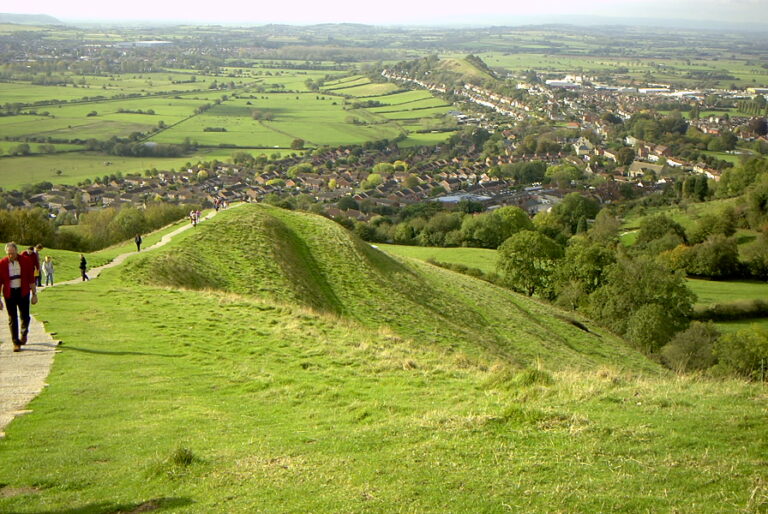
column 17, row 281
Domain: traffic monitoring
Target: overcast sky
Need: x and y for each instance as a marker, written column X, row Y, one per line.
column 487, row 12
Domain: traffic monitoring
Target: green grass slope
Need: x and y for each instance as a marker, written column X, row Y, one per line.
column 170, row 399
column 292, row 257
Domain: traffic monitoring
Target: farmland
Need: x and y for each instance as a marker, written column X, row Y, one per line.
column 251, row 108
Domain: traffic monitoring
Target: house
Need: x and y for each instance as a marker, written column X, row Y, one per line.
column 583, row 146
column 637, row 169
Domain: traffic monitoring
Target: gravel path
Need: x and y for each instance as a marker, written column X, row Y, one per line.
column 23, row 374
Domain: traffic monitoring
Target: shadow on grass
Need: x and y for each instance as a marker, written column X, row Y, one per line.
column 155, row 505
column 107, row 352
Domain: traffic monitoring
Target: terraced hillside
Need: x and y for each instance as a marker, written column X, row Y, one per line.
column 267, row 361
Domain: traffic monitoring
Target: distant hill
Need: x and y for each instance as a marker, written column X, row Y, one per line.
column 29, row 19
column 298, row 258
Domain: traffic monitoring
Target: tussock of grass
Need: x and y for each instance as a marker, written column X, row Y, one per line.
column 505, row 378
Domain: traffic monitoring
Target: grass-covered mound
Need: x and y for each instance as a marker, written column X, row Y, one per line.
column 299, row 258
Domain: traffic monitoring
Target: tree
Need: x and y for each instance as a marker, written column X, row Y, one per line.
column 606, row 227
column 759, row 126
column 526, row 261
column 489, row 230
column 717, row 257
column 20, row 149
column 625, row 156
column 373, row 180
column 657, row 227
column 383, row 168
column 412, row 181
column 633, row 283
column 347, row 202
column 574, row 207
column 585, row 262
column 128, row 222
column 649, row 327
column 757, row 202
column 297, row 144
column 563, row 174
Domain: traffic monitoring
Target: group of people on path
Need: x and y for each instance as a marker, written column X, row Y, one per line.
column 21, row 274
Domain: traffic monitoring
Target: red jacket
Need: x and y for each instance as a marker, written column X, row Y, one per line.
column 27, row 275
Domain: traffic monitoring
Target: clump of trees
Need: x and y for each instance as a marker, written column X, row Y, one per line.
column 97, row 229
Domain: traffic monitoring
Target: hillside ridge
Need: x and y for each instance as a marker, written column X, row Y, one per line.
column 298, row 258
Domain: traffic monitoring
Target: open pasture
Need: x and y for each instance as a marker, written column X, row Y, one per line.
column 93, row 127
column 78, row 166
column 26, row 93
column 6, row 147
column 423, row 138
column 372, row 89
column 426, row 101
column 672, row 69
column 344, row 82
column 720, row 291
column 481, row 258
column 316, row 118
column 415, row 114
column 405, row 98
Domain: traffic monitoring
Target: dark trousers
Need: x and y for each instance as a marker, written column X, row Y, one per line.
column 17, row 306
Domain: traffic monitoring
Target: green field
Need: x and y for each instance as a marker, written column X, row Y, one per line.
column 406, row 388
column 480, row 258
column 684, row 72
column 77, row 166
column 712, row 291
column 319, row 118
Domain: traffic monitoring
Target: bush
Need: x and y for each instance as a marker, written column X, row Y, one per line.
column 745, row 352
column 692, row 349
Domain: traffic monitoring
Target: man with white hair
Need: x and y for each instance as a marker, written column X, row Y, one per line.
column 17, row 282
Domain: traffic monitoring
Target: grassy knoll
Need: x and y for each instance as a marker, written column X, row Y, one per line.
column 481, row 258
column 210, row 401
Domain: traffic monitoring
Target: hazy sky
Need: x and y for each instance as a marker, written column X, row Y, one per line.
column 389, row 12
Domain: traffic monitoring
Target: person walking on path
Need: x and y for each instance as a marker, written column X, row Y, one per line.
column 17, row 281
column 48, row 270
column 137, row 240
column 33, row 252
column 83, row 267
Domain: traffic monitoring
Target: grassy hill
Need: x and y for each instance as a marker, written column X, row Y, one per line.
column 197, row 379
column 298, row 258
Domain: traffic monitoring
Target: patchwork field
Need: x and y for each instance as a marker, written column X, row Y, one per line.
column 251, row 118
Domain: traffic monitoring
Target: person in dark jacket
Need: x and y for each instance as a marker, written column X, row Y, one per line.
column 83, row 267
column 17, row 282
column 137, row 240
